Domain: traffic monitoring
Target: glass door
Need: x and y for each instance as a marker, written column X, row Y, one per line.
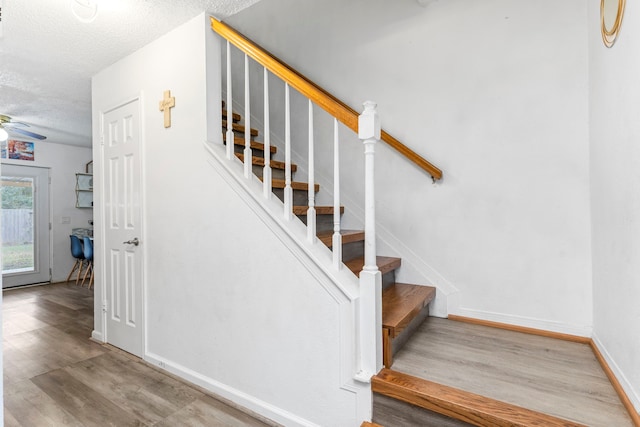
column 24, row 225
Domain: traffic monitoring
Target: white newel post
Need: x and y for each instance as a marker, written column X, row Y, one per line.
column 370, row 307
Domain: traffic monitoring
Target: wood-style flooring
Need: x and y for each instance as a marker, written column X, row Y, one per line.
column 55, row 376
column 556, row 377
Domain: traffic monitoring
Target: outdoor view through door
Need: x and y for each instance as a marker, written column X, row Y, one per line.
column 25, row 225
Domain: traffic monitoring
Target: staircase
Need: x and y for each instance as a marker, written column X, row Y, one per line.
column 404, row 306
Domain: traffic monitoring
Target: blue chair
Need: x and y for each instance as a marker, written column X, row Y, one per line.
column 78, row 253
column 88, row 255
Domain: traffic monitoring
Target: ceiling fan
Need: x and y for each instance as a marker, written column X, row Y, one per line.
column 12, row 127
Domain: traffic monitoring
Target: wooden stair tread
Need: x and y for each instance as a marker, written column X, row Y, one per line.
column 295, row 185
column 254, row 145
column 259, row 161
column 455, row 403
column 401, row 302
column 368, row 424
column 348, row 236
column 236, row 117
column 240, row 128
column 320, row 210
column 385, row 264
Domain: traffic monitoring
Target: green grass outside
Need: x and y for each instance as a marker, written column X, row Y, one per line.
column 17, row 257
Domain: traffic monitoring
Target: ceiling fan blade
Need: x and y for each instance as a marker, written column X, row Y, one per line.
column 26, row 133
column 19, row 124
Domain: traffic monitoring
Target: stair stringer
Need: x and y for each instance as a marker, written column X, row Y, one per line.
column 342, row 285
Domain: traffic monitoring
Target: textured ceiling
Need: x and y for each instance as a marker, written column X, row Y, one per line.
column 47, row 56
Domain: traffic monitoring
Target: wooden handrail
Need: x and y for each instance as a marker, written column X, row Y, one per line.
column 338, row 109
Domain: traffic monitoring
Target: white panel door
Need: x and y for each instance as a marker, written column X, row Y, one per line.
column 123, row 246
column 25, row 225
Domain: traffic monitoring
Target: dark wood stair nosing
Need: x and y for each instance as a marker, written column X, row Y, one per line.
column 385, row 264
column 320, row 210
column 275, row 164
column 459, row 404
column 240, row 128
column 348, row 236
column 295, row 185
column 236, row 117
column 254, row 145
column 401, row 303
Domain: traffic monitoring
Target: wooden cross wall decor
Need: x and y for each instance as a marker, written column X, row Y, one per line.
column 167, row 103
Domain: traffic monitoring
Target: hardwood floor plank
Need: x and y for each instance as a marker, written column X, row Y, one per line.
column 27, row 356
column 10, row 420
column 63, row 298
column 543, row 374
column 134, row 398
column 84, row 403
column 210, row 412
column 54, row 375
column 20, row 323
column 32, row 407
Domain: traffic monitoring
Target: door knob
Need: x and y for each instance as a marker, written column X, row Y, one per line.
column 133, row 241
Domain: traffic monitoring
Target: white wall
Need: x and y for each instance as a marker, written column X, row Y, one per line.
column 63, row 161
column 494, row 93
column 615, row 195
column 228, row 305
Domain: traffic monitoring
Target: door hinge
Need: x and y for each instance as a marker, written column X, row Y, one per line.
column 104, row 306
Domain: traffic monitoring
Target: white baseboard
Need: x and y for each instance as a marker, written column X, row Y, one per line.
column 97, row 336
column 632, row 394
column 238, row 397
column 527, row 322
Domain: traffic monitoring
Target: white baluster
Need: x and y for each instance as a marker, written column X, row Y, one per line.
column 266, row 171
column 370, row 301
column 288, row 191
column 229, row 136
column 337, row 236
column 311, row 212
column 247, row 121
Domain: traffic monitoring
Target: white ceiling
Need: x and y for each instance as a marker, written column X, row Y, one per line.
column 47, row 56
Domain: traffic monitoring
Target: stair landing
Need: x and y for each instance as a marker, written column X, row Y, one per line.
column 542, row 374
